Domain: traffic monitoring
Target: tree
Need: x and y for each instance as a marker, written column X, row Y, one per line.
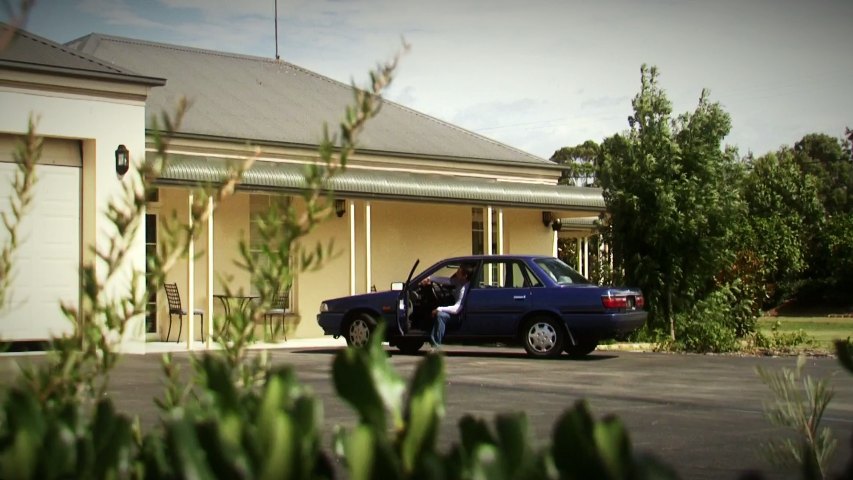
column 783, row 209
column 824, row 157
column 830, row 161
column 672, row 199
column 580, row 161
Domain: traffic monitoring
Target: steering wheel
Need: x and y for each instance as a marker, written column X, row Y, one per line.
column 435, row 292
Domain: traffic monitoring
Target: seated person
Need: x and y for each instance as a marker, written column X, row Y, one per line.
column 460, row 283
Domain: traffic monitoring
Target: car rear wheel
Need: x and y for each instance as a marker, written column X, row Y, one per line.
column 359, row 330
column 582, row 349
column 543, row 337
column 409, row 346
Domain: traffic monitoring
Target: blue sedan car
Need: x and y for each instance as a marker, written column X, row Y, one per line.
column 536, row 301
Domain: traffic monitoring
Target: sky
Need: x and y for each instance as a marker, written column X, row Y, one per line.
column 535, row 74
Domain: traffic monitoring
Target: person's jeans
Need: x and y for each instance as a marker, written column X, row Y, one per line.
column 438, row 327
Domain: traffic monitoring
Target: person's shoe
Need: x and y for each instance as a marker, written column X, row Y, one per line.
column 433, row 348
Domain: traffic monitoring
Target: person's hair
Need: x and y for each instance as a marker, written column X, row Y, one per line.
column 468, row 270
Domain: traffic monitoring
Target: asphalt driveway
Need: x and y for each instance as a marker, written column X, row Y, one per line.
column 702, row 414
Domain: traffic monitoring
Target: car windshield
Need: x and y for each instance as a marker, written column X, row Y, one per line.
column 560, row 272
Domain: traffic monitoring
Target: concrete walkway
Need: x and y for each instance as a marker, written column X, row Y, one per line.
column 318, row 342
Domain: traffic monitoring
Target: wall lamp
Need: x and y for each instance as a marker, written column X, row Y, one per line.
column 547, row 218
column 122, row 160
column 340, row 207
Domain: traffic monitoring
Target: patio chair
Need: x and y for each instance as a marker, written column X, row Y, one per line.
column 175, row 308
column 280, row 308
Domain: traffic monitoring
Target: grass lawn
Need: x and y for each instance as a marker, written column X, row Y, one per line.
column 823, row 330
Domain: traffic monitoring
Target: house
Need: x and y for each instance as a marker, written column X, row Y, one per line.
column 84, row 108
column 418, row 188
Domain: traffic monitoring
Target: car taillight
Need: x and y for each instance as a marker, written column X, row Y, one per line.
column 614, row 302
column 623, row 302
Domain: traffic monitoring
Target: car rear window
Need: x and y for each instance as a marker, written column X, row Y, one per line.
column 560, row 272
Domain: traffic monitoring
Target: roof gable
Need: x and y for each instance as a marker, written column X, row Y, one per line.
column 245, row 98
column 30, row 52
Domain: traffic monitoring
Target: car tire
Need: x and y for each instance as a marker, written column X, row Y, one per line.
column 543, row 337
column 359, row 330
column 409, row 346
column 582, row 349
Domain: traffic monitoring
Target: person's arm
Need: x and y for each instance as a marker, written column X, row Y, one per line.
column 456, row 307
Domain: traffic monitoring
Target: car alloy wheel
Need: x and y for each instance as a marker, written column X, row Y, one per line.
column 543, row 337
column 358, row 333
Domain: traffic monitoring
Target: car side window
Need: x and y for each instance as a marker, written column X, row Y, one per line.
column 530, row 277
column 505, row 274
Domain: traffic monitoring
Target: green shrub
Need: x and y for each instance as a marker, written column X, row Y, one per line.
column 778, row 341
column 710, row 326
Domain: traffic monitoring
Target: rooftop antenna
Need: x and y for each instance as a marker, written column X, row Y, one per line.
column 276, row 29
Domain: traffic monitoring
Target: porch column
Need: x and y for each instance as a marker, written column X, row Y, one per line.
column 369, row 258
column 209, row 308
column 351, row 247
column 190, row 277
column 586, row 257
column 580, row 257
column 488, row 230
column 500, row 231
column 555, row 244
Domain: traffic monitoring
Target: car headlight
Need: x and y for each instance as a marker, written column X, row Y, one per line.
column 324, row 307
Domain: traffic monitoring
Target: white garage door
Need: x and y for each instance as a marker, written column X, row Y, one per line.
column 45, row 268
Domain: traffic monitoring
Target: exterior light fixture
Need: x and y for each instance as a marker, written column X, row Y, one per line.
column 547, row 218
column 340, row 207
column 122, row 160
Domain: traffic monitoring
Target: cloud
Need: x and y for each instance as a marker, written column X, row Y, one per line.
column 118, row 13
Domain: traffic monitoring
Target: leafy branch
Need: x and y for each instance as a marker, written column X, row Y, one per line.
column 26, row 155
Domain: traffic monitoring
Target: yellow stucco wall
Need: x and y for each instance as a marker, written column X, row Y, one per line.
column 400, row 233
column 524, row 233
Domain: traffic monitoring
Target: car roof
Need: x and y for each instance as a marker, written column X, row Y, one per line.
column 471, row 258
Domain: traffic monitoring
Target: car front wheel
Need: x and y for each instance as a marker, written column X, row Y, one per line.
column 543, row 337
column 359, row 330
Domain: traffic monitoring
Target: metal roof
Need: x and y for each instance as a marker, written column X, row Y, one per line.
column 371, row 184
column 244, row 98
column 30, row 52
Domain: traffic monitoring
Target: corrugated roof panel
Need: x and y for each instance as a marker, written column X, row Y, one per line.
column 390, row 185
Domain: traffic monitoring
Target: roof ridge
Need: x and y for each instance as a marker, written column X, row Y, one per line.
column 64, row 49
column 216, row 53
column 242, row 56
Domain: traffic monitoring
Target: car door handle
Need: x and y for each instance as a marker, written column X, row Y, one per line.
column 519, row 297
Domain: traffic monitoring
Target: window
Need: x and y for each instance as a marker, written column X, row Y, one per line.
column 506, row 274
column 559, row 272
column 478, row 231
column 260, row 208
column 150, row 252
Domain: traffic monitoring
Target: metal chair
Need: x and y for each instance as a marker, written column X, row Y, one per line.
column 279, row 309
column 175, row 308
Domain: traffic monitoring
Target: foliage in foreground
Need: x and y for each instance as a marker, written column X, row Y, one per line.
column 242, row 418
column 799, row 402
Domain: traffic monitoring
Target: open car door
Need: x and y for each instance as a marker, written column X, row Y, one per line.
column 404, row 303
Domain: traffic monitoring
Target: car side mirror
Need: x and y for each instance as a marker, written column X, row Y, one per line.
column 397, row 286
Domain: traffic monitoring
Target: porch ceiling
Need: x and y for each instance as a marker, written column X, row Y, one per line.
column 383, row 185
column 573, row 224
